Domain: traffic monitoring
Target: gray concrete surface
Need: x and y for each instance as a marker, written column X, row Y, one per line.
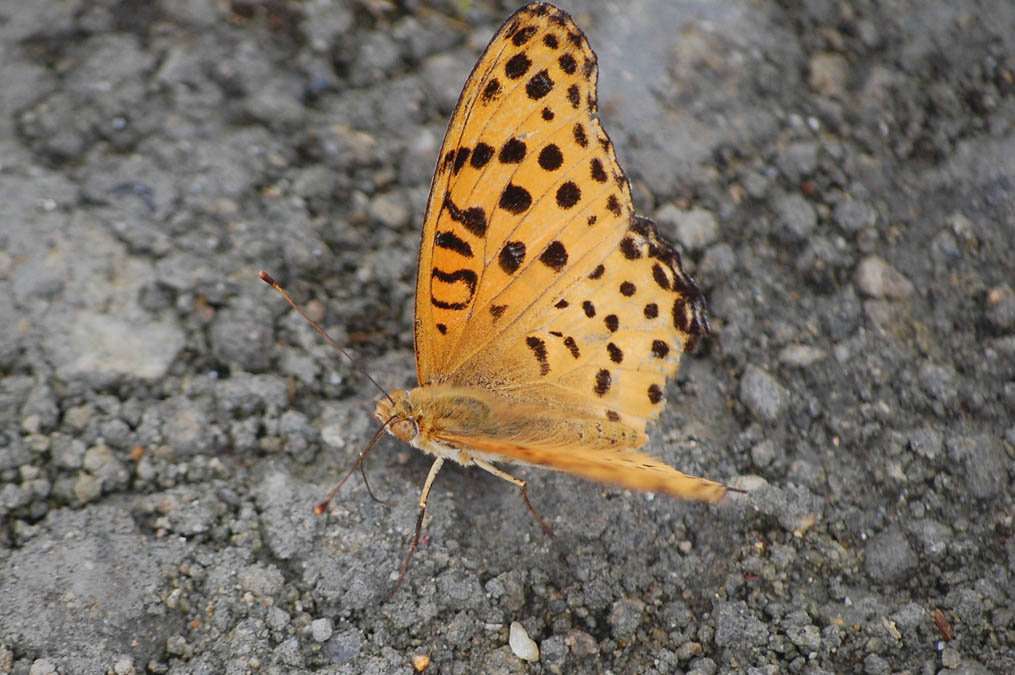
column 841, row 176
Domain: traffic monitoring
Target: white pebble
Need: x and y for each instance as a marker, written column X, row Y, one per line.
column 321, row 629
column 521, row 644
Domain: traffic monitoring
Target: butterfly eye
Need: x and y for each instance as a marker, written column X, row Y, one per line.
column 404, row 429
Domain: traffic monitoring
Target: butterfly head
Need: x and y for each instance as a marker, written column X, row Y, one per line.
column 396, row 410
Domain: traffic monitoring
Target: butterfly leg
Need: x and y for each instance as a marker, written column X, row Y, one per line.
column 490, row 468
column 434, row 469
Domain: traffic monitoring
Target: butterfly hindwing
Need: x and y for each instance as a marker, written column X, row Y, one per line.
column 610, row 342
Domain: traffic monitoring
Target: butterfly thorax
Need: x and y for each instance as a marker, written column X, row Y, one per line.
column 429, row 417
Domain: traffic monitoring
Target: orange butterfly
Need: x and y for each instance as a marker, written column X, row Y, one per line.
column 548, row 315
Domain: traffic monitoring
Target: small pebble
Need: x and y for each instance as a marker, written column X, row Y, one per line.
column 696, row 229
column 581, row 643
column 625, row 617
column 521, row 644
column 1000, row 307
column 42, row 667
column 852, row 215
column 877, row 279
column 829, row 73
column 764, row 453
column 889, row 557
column 86, row 488
column 802, row 356
column 321, row 629
column 688, row 650
column 796, row 216
column 124, row 666
column 762, row 394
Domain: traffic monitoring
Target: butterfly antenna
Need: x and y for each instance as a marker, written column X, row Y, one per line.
column 323, row 506
column 268, row 279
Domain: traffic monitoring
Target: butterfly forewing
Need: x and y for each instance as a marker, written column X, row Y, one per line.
column 527, row 198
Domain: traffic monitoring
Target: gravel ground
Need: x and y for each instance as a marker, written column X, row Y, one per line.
column 841, row 176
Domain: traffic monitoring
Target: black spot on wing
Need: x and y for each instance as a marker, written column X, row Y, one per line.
column 681, row 318
column 550, row 158
column 523, row 35
column 579, row 135
column 512, row 152
column 602, row 382
column 491, row 91
column 473, row 218
column 568, row 194
column 574, row 96
column 555, row 256
column 572, row 346
column 539, row 85
column 511, row 256
column 629, row 248
column 538, row 348
column 515, row 199
column 452, row 242
column 461, row 156
column 660, row 276
column 481, row 156
column 517, row 66
column 644, row 227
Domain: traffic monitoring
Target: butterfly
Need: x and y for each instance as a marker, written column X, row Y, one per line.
column 548, row 315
